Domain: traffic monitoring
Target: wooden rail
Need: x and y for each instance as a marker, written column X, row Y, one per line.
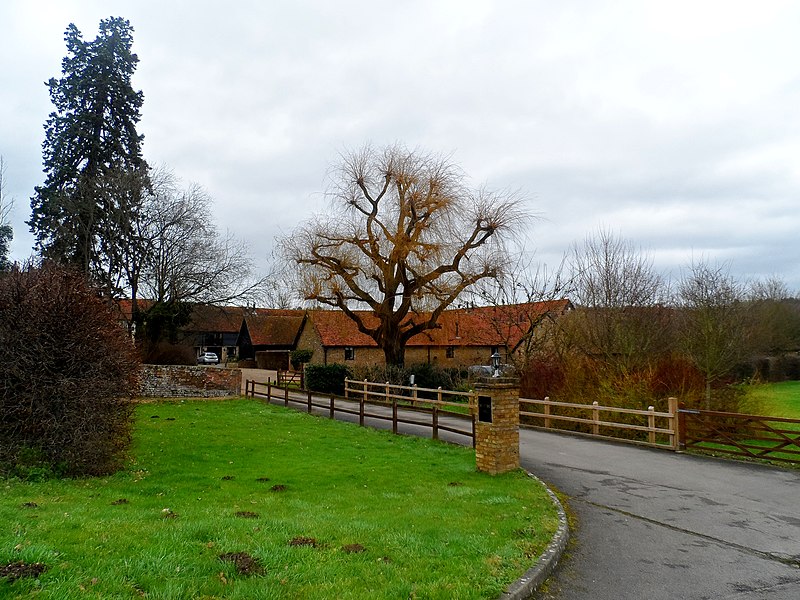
column 551, row 413
column 386, row 406
column 738, row 434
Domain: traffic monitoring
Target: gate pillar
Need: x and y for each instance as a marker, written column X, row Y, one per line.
column 497, row 425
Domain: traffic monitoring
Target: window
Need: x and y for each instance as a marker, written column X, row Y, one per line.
column 450, row 352
column 349, row 353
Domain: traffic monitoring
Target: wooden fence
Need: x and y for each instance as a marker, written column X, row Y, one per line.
column 656, row 428
column 752, row 436
column 391, row 404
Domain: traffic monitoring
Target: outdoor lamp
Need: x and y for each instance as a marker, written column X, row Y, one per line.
column 496, row 364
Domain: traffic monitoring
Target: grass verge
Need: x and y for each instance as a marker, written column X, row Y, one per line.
column 239, row 499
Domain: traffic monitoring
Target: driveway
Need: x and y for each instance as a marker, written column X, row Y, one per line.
column 655, row 525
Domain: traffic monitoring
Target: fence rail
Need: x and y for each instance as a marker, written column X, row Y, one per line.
column 649, row 419
column 738, row 434
column 390, row 405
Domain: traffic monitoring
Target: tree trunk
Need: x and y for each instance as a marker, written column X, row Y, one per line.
column 394, row 351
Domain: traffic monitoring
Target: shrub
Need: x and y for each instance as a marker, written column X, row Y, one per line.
column 299, row 357
column 328, row 379
column 68, row 373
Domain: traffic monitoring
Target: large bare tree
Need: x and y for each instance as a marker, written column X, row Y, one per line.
column 405, row 236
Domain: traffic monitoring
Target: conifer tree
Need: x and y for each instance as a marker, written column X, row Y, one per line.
column 92, row 156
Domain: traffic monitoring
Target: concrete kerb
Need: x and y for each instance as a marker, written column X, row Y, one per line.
column 526, row 585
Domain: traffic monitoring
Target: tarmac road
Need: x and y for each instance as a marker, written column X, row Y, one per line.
column 657, row 525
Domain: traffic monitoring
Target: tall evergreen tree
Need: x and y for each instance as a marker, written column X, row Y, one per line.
column 95, row 172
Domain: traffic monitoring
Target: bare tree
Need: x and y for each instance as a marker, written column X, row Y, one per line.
column 531, row 287
column 405, row 237
column 621, row 318
column 177, row 257
column 775, row 317
column 715, row 327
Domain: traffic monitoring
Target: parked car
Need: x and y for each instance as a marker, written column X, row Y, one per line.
column 208, row 358
column 488, row 370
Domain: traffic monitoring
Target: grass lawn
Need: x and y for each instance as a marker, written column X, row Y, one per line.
column 238, row 499
column 773, row 399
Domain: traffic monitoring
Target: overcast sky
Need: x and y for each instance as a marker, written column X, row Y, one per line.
column 674, row 124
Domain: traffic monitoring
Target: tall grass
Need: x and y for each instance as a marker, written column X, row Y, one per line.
column 328, row 510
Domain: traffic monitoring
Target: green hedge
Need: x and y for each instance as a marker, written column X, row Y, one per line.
column 328, row 379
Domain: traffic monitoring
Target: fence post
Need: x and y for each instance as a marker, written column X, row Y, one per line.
column 387, row 393
column 286, row 396
column 414, row 395
column 672, row 409
column 394, row 415
column 346, row 388
column 651, row 423
column 595, row 418
column 332, row 408
column 681, row 427
column 435, row 433
column 546, row 407
column 269, row 391
column 309, row 401
column 439, row 394
column 361, row 404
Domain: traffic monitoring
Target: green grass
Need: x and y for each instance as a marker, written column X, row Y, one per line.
column 431, row 526
column 773, row 399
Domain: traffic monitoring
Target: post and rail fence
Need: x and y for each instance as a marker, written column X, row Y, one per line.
column 659, row 429
column 383, row 402
column 677, row 428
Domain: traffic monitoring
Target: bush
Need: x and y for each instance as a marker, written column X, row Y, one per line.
column 299, row 357
column 327, row 379
column 68, row 373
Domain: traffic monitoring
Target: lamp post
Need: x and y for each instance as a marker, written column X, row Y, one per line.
column 496, row 364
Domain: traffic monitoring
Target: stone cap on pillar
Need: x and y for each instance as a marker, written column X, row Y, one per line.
column 505, row 382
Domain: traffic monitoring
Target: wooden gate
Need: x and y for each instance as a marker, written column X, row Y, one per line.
column 753, row 436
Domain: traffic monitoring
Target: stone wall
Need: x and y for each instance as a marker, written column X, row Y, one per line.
column 171, row 381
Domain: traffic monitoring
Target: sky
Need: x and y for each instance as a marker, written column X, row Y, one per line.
column 672, row 124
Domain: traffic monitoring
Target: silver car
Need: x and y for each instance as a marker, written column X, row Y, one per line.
column 207, row 358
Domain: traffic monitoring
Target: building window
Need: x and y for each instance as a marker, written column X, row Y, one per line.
column 450, row 352
column 349, row 353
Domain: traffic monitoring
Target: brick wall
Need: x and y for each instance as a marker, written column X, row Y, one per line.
column 171, row 381
column 497, row 443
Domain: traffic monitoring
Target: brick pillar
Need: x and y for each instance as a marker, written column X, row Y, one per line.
column 497, row 425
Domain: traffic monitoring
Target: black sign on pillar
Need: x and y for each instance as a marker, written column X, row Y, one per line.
column 485, row 409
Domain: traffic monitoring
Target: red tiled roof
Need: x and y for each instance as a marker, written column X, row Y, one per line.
column 479, row 326
column 274, row 327
column 217, row 319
